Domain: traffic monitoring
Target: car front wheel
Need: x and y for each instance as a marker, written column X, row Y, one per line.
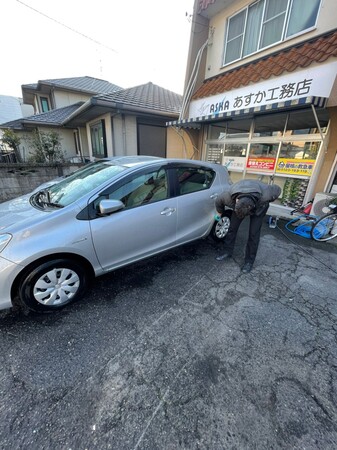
column 52, row 285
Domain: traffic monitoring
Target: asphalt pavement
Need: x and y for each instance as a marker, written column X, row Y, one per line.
column 182, row 352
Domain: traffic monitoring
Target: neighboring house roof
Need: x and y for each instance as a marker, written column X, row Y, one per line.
column 147, row 96
column 316, row 50
column 54, row 118
column 148, row 99
column 85, row 84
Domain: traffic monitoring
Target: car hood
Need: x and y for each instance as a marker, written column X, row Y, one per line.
column 18, row 211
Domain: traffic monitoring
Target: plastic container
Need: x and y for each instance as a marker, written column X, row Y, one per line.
column 273, row 222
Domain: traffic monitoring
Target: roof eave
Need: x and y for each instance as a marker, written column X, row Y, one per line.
column 125, row 107
column 113, row 107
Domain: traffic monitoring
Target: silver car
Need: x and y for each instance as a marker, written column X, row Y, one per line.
column 104, row 216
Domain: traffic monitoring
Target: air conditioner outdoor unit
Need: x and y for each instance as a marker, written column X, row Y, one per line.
column 321, row 202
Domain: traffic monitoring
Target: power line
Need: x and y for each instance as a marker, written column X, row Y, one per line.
column 66, row 26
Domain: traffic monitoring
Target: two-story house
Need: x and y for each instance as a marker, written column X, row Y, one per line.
column 261, row 90
column 97, row 119
column 53, row 100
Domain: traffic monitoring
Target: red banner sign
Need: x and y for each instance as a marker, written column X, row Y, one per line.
column 261, row 164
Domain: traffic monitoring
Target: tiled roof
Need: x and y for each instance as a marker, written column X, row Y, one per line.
column 30, row 86
column 82, row 84
column 55, row 117
column 315, row 50
column 147, row 96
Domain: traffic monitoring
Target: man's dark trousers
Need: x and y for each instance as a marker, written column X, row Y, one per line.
column 253, row 236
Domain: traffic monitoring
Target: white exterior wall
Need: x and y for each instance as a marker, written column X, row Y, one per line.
column 125, row 135
column 121, row 138
column 121, row 134
column 215, row 51
column 66, row 98
column 67, row 140
column 66, row 137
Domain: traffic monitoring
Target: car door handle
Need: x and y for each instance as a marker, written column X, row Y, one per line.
column 168, row 211
column 216, row 195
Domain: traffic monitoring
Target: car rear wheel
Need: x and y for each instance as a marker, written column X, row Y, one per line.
column 52, row 285
column 221, row 227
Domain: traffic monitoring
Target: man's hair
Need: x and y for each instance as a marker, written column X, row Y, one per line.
column 244, row 206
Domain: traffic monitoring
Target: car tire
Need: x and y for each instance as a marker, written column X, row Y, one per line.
column 220, row 228
column 53, row 285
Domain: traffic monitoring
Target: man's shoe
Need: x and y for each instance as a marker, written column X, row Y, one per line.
column 224, row 256
column 247, row 267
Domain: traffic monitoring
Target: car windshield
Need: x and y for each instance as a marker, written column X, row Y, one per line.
column 79, row 183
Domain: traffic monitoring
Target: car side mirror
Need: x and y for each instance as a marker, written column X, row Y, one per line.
column 106, row 207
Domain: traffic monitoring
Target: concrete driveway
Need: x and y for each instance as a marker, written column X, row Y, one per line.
column 182, row 352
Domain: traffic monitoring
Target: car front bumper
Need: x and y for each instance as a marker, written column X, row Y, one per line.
column 8, row 273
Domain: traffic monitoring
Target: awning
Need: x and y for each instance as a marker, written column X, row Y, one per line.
column 319, row 102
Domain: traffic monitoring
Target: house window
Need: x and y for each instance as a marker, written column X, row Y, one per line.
column 267, row 22
column 44, row 104
column 98, row 140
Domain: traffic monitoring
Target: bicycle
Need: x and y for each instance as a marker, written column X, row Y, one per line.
column 319, row 228
column 325, row 228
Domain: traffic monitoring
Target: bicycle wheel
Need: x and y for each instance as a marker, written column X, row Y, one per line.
column 325, row 228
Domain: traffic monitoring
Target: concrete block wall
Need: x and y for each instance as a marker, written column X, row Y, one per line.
column 20, row 179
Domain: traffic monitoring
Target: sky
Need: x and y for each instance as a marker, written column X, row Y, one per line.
column 126, row 42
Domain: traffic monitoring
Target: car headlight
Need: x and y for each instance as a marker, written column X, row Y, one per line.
column 4, row 240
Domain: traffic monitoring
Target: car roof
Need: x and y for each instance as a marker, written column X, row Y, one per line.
column 132, row 161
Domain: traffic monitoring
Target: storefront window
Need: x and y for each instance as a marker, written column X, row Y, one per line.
column 299, row 150
column 271, row 125
column 304, row 122
column 281, row 146
column 230, row 129
column 235, row 150
column 214, row 153
column 262, row 157
column 263, row 150
column 239, row 129
column 234, row 157
column 217, row 131
column 297, row 158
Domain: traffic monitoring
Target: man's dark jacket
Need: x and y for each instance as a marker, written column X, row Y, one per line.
column 262, row 194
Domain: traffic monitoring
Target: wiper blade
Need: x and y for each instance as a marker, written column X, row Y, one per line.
column 43, row 198
column 54, row 205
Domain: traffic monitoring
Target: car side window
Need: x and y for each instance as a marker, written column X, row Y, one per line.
column 193, row 179
column 143, row 189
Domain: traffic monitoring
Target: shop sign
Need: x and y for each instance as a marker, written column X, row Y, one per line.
column 311, row 82
column 295, row 166
column 261, row 164
column 234, row 162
